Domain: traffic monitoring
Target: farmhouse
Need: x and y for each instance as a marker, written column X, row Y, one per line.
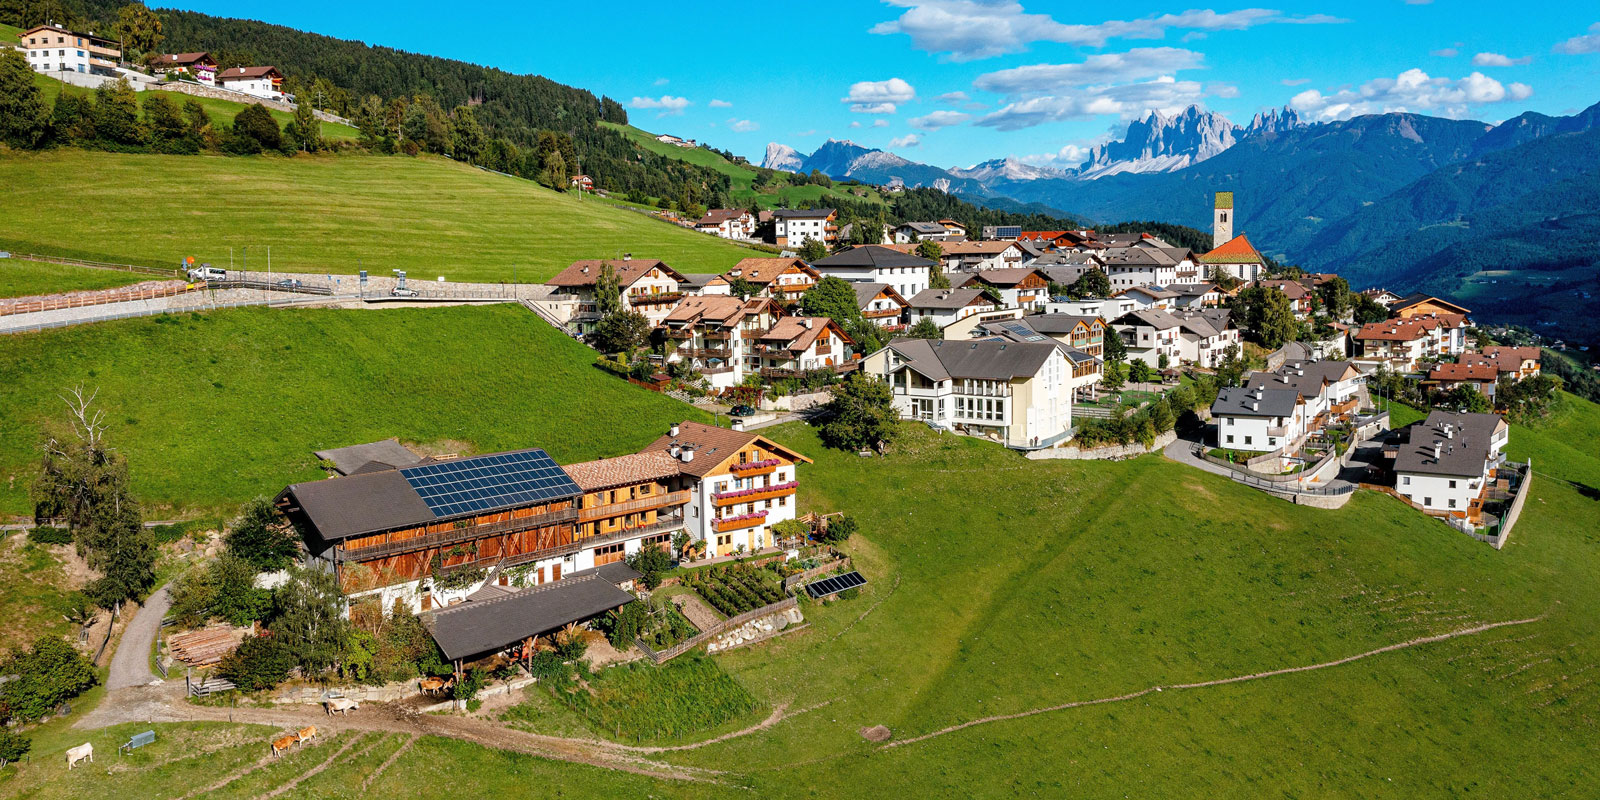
column 1194, row 336
column 200, row 66
column 1480, row 376
column 1419, row 304
column 872, row 263
column 913, row 232
column 962, row 256
column 53, row 48
column 1128, row 267
column 648, row 286
column 740, row 485
column 775, row 277
column 263, row 82
column 1018, row 394
column 1447, row 462
column 1515, row 363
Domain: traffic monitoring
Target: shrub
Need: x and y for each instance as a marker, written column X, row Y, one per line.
column 258, row 664
column 622, row 625
column 48, row 674
column 651, row 562
column 839, row 529
column 44, row 535
column 13, row 746
column 469, row 685
column 546, row 664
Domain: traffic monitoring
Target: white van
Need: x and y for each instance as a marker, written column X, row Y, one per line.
column 207, row 272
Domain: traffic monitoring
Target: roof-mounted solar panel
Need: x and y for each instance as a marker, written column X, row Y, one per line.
column 487, row 483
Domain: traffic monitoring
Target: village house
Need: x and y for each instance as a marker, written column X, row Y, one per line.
column 881, row 305
column 716, row 335
column 1018, row 288
column 728, row 223
column 263, row 82
column 1103, row 307
column 1015, row 393
column 1200, row 337
column 1071, row 241
column 1129, row 267
column 582, row 183
column 907, row 273
column 1145, row 297
column 955, row 229
column 53, row 48
column 1001, row 232
column 1073, row 337
column 1235, row 257
column 1085, row 332
column 697, row 284
column 1259, row 418
column 1194, row 295
column 1481, row 376
column 794, row 227
column 1301, row 301
column 1422, row 305
column 740, row 485
column 1447, row 462
column 786, row 278
column 648, row 286
column 1058, row 272
column 914, row 232
column 795, row 345
column 1402, row 343
column 199, row 66
column 1516, row 363
column 961, row 256
column 1331, row 390
column 945, row 306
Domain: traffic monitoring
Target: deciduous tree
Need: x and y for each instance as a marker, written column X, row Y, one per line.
column 861, row 414
column 24, row 118
column 309, row 621
column 813, row 250
column 832, row 297
column 262, row 537
column 621, row 332
column 47, row 674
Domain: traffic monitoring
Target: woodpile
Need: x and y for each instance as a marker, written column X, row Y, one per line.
column 203, row 647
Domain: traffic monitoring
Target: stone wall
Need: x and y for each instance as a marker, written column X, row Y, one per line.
column 219, row 93
column 1109, row 453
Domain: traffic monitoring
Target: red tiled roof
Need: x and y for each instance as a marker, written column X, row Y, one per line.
column 1464, row 372
column 625, row 470
column 1237, row 250
column 762, row 271
column 629, row 271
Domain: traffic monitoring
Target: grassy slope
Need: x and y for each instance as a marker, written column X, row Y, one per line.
column 220, row 110
column 743, row 176
column 24, row 278
column 213, row 409
column 325, row 214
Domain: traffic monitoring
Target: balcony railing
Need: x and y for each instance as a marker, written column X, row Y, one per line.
column 662, row 525
column 458, row 535
column 707, row 352
column 881, row 313
column 756, row 467
column 679, row 333
column 631, row 506
column 723, row 499
column 650, row 299
column 741, row 522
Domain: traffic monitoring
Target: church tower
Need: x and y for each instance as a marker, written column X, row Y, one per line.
column 1222, row 219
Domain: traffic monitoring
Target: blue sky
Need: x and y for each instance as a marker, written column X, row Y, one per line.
column 953, row 82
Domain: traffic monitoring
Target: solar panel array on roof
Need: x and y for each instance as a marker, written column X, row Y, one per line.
column 1021, row 331
column 835, row 584
column 1008, row 232
column 483, row 483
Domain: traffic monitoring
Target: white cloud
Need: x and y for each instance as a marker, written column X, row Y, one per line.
column 1577, row 45
column 1295, row 81
column 1225, row 90
column 1070, row 155
column 880, row 123
column 809, row 132
column 855, row 124
column 1447, row 52
column 742, row 125
column 1193, row 36
column 661, row 82
column 719, row 104
column 908, row 140
column 879, row 97
column 953, row 98
column 1498, row 60
column 1043, row 79
column 668, row 105
column 1165, row 94
column 964, row 30
column 938, row 119
column 1412, row 90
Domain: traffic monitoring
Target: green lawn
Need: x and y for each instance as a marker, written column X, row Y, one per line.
column 212, row 409
column 681, row 700
column 332, row 213
column 20, row 278
column 220, row 110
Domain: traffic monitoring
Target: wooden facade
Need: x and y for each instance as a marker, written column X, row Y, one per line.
column 514, row 535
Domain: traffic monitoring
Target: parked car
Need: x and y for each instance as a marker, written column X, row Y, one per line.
column 290, row 283
column 207, row 273
column 741, row 411
column 402, row 292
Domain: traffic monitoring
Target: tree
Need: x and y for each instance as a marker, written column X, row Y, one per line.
column 1335, row 296
column 621, row 332
column 813, row 250
column 1231, row 371
column 256, row 125
column 937, row 279
column 1264, row 315
column 168, row 131
column 834, row 298
column 1092, row 283
column 1368, row 310
column 861, row 414
column 1226, row 281
column 1140, row 371
column 414, row 127
column 13, row 746
column 198, row 122
column 48, row 674
column 925, row 328
column 1115, row 351
column 258, row 664
column 24, row 118
column 85, row 482
column 931, row 250
column 652, row 562
column 1469, row 400
column 370, row 121
column 116, row 115
column 469, row 141
column 838, row 529
column 867, row 336
column 1112, row 378
column 261, row 537
column 555, row 172
column 304, row 130
column 138, row 28
column 309, row 620
column 1161, row 415
column 72, row 119
column 743, row 289
column 607, row 290
column 234, row 596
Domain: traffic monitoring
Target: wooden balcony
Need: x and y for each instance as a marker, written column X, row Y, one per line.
column 752, row 468
column 631, row 506
column 707, row 352
column 885, row 313
column 679, row 333
column 457, row 536
column 726, row 499
column 654, row 299
column 741, row 522
column 662, row 525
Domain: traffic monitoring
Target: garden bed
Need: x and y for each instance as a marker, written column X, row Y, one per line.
column 733, row 589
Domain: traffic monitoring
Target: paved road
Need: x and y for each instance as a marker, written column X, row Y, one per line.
column 130, row 664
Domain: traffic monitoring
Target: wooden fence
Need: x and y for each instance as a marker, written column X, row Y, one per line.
column 98, row 298
column 715, row 630
column 78, row 262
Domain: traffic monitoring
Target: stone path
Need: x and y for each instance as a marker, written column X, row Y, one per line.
column 130, row 664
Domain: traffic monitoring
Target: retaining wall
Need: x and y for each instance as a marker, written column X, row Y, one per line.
column 715, row 630
column 219, row 93
column 1108, row 453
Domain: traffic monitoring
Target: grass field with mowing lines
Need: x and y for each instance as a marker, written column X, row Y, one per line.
column 325, row 214
column 20, row 278
column 213, row 409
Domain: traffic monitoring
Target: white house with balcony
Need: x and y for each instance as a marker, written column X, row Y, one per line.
column 648, row 286
column 53, row 48
column 1259, row 418
column 263, row 82
column 1016, row 393
column 1448, row 461
column 794, row 227
column 741, row 485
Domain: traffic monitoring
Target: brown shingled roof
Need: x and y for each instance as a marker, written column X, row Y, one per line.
column 713, row 445
column 625, row 470
column 762, row 271
column 629, row 271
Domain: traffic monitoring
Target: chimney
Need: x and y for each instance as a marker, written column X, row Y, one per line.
column 806, row 322
column 1437, row 446
column 627, row 256
column 674, row 450
column 688, row 454
column 673, row 431
column 1255, row 405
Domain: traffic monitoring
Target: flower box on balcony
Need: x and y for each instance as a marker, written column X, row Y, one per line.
column 750, row 466
column 758, row 493
column 750, row 520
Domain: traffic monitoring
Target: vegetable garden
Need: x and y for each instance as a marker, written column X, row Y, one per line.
column 735, row 588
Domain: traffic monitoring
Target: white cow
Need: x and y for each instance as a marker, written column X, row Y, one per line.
column 83, row 752
column 342, row 705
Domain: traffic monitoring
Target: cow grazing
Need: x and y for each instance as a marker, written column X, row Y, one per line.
column 83, row 752
column 283, row 743
column 307, row 733
column 436, row 685
column 342, row 705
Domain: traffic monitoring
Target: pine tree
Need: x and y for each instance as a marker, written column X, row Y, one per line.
column 304, row 130
column 24, row 118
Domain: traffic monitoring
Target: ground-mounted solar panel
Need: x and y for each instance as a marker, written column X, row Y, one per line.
column 835, row 584
column 486, row 483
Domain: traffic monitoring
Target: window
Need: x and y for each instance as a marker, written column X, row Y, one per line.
column 1230, row 438
column 1452, row 502
column 1452, row 485
column 1427, row 501
column 1405, row 481
column 1247, row 440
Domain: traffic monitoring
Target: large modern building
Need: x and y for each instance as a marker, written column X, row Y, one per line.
column 53, row 48
column 794, row 227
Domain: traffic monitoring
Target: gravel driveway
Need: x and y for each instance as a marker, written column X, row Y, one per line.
column 130, row 664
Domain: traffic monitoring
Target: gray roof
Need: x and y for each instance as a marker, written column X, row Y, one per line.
column 941, row 359
column 1461, row 442
column 871, row 255
column 945, row 298
column 1207, row 322
column 699, row 280
column 924, row 227
column 1142, row 257
column 803, row 213
column 1255, row 401
column 865, row 292
column 1151, row 318
column 617, row 573
column 339, row 508
column 1056, row 323
column 483, row 627
column 1191, row 289
column 1306, row 377
column 389, row 452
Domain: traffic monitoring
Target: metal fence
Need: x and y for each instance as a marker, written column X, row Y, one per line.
column 713, row 631
column 78, row 262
